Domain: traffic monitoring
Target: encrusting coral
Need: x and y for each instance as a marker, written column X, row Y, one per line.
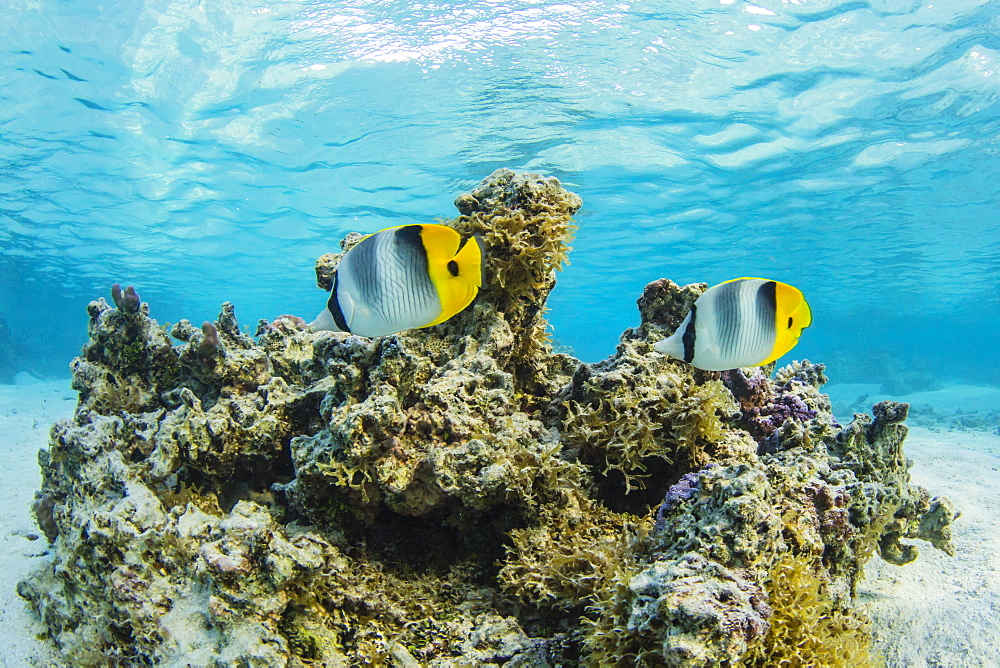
column 461, row 494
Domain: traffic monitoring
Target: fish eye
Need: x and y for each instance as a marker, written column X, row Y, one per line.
column 789, row 321
column 453, row 267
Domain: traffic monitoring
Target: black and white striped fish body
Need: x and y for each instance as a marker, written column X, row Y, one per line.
column 402, row 278
column 383, row 286
column 739, row 323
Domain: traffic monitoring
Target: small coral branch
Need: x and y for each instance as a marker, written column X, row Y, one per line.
column 285, row 324
column 44, row 509
column 127, row 301
column 210, row 345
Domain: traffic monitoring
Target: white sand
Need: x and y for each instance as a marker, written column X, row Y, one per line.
column 26, row 413
column 938, row 611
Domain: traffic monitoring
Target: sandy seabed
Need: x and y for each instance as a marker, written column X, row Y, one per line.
column 26, row 413
column 939, row 611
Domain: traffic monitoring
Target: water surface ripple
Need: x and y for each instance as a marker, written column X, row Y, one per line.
column 210, row 151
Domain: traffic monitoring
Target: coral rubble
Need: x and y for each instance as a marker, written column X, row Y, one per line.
column 461, row 494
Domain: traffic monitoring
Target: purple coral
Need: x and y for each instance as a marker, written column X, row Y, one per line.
column 785, row 407
column 680, row 491
column 747, row 389
column 764, row 405
column 127, row 301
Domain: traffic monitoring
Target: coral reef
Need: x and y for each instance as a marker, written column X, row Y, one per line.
column 461, row 494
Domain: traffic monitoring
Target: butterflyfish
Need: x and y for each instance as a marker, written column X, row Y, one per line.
column 402, row 278
column 738, row 323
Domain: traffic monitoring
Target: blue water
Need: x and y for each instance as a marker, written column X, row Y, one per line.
column 210, row 151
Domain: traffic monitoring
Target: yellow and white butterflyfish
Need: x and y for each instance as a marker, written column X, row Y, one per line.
column 739, row 323
column 401, row 278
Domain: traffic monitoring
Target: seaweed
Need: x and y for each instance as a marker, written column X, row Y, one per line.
column 809, row 626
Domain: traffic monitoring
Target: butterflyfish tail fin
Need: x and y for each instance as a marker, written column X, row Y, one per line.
column 324, row 322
